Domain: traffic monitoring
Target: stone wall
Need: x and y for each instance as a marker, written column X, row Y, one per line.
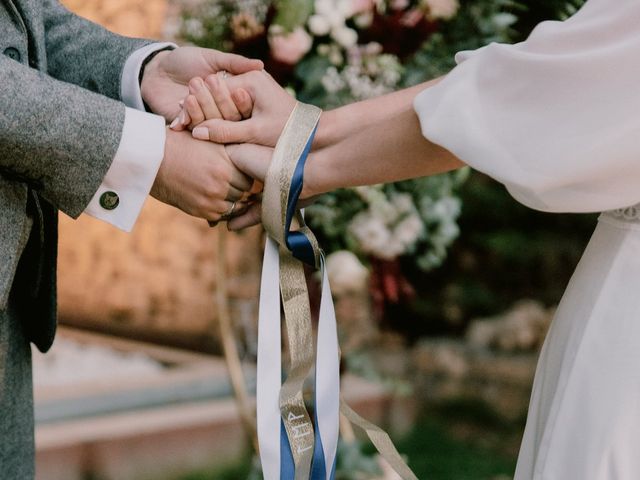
column 158, row 282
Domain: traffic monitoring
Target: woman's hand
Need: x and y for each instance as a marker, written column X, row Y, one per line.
column 253, row 109
column 211, row 99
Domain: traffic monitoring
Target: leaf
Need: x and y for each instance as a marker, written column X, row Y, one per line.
column 292, row 14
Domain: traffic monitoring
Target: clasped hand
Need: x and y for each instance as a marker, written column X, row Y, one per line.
column 246, row 113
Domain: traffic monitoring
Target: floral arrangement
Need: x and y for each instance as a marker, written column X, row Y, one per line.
column 333, row 52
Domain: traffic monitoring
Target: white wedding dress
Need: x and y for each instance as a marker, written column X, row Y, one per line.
column 557, row 120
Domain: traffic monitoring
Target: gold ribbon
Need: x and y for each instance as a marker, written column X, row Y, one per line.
column 295, row 301
column 293, row 286
column 380, row 440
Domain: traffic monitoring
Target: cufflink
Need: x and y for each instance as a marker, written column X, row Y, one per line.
column 109, row 200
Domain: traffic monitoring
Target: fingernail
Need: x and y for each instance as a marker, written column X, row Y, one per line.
column 201, row 133
column 175, row 123
column 183, row 118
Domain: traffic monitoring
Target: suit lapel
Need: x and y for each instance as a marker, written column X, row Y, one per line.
column 16, row 12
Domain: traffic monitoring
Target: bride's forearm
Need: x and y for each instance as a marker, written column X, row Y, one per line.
column 388, row 148
column 336, row 125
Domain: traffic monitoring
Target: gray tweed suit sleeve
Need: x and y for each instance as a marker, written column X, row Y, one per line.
column 56, row 134
column 57, row 137
column 83, row 53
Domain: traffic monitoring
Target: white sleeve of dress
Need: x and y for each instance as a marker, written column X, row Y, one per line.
column 555, row 118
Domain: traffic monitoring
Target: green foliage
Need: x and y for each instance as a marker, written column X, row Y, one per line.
column 478, row 23
column 235, row 472
column 438, row 455
column 292, row 13
column 541, row 10
column 570, row 8
column 354, row 464
column 506, row 252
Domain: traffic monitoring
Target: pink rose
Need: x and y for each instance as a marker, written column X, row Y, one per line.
column 361, row 6
column 289, row 48
column 399, row 4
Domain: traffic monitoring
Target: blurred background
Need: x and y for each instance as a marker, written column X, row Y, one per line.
column 444, row 287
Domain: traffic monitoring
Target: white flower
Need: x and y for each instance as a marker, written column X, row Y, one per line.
column 448, row 231
column 364, row 20
column 409, row 230
column 399, row 4
column 332, row 81
column 319, row 25
column 360, row 6
column 403, row 202
column 444, row 9
column 371, row 233
column 346, row 273
column 383, row 209
column 335, row 17
column 338, row 11
column 194, row 28
column 334, row 53
column 345, row 36
column 504, row 19
column 392, row 250
column 447, row 207
column 324, row 7
column 373, row 48
column 345, row 7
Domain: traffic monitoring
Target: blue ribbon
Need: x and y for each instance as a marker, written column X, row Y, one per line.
column 297, row 242
column 301, row 248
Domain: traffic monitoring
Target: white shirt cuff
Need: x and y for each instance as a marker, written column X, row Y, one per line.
column 128, row 182
column 130, row 83
column 134, row 168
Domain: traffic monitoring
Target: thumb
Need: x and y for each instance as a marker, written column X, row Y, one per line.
column 232, row 63
column 225, row 131
column 253, row 160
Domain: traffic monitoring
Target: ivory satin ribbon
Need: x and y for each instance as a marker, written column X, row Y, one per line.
column 293, row 446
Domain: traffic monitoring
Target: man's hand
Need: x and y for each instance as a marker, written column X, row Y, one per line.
column 166, row 78
column 199, row 178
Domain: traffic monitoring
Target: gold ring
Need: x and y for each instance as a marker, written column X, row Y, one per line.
column 229, row 212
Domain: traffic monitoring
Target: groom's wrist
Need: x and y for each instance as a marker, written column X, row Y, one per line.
column 149, row 70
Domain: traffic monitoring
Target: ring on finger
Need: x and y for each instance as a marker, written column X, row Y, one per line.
column 226, row 215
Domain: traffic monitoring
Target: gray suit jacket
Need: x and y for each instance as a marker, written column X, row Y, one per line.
column 60, row 125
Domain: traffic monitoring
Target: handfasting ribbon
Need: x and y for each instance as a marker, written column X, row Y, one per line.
column 380, row 440
column 279, row 193
column 269, row 376
column 292, row 447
